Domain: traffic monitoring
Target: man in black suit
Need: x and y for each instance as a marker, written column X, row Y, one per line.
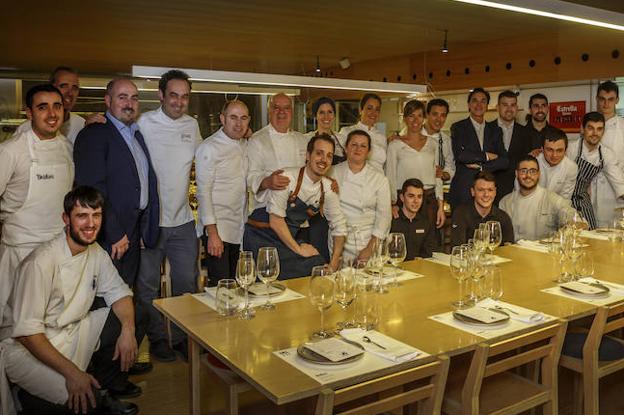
column 517, row 139
column 477, row 146
column 113, row 158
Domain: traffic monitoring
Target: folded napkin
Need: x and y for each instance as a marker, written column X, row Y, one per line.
column 515, row 312
column 395, row 351
column 533, row 245
column 440, row 258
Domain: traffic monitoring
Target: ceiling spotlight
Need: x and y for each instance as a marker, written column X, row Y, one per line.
column 318, row 65
column 445, row 45
column 344, row 63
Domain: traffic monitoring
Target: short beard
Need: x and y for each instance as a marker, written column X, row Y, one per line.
column 76, row 238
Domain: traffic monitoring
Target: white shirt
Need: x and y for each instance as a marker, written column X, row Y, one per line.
column 559, row 179
column 69, row 129
column 404, row 162
column 612, row 169
column 310, row 194
column 15, row 162
column 507, row 133
column 269, row 150
column 379, row 143
column 171, row 144
column 604, row 199
column 480, row 130
column 364, row 198
column 447, row 150
column 536, row 215
column 221, row 172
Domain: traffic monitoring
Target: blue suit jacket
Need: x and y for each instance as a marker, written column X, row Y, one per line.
column 467, row 150
column 104, row 161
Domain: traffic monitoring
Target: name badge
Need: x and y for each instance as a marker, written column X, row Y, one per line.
column 45, row 176
column 186, row 138
column 94, row 283
column 420, row 231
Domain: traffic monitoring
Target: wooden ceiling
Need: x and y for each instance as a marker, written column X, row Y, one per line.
column 275, row 36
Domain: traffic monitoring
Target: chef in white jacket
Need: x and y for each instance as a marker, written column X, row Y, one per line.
column 36, row 170
column 604, row 199
column 57, row 324
column 220, row 171
column 364, row 198
column 557, row 171
column 535, row 212
column 370, row 108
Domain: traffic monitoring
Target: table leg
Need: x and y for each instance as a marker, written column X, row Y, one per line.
column 194, row 365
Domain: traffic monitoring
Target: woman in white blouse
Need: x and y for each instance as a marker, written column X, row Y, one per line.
column 324, row 110
column 414, row 156
column 364, row 197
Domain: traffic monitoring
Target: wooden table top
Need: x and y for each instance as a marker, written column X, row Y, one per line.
column 247, row 345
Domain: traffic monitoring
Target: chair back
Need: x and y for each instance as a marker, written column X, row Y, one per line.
column 607, row 320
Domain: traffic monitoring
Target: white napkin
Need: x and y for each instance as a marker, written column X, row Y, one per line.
column 594, row 235
column 395, row 350
column 533, row 245
column 613, row 287
column 515, row 313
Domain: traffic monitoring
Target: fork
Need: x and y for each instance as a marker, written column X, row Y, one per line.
column 498, row 307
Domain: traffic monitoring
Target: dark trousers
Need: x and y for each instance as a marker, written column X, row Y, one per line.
column 224, row 267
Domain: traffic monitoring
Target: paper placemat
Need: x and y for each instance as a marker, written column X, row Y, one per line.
column 519, row 319
column 594, row 235
column 402, row 275
column 208, row 297
column 445, row 259
column 615, row 294
column 535, row 246
column 382, row 345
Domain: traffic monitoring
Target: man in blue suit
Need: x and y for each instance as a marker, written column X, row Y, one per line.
column 113, row 158
column 477, row 146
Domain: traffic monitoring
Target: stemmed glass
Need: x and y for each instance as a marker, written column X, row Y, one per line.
column 246, row 276
column 494, row 281
column 346, row 287
column 459, row 271
column 496, row 234
column 379, row 260
column 322, row 291
column 477, row 264
column 397, row 251
column 481, row 239
column 268, row 269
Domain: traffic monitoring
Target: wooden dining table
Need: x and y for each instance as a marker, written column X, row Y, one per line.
column 247, row 346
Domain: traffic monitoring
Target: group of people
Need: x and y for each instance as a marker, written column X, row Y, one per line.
column 91, row 207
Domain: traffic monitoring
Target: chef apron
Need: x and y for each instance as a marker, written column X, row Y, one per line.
column 258, row 233
column 581, row 199
column 604, row 199
column 39, row 219
column 76, row 335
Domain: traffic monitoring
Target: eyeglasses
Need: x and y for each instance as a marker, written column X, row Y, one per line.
column 532, row 172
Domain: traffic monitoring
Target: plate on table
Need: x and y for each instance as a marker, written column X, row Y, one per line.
column 258, row 289
column 313, row 357
column 498, row 318
column 585, row 289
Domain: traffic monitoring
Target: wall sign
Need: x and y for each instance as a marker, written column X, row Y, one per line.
column 567, row 115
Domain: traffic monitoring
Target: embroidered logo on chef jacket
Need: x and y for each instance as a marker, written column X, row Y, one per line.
column 94, row 283
column 420, row 231
column 45, row 176
column 186, row 138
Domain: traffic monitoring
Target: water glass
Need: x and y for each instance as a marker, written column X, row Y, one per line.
column 322, row 292
column 227, row 297
column 245, row 276
column 346, row 290
column 268, row 269
column 494, row 283
column 460, row 271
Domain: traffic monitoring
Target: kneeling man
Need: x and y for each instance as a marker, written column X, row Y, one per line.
column 62, row 322
column 535, row 212
column 284, row 222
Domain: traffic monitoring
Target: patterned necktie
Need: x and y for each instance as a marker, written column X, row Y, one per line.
column 440, row 152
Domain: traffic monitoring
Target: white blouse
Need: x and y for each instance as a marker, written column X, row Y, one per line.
column 379, row 143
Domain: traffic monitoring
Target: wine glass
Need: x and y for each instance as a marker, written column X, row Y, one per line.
column 245, row 276
column 585, row 266
column 346, row 287
column 322, row 291
column 494, row 280
column 496, row 234
column 481, row 239
column 397, row 251
column 268, row 269
column 478, row 267
column 379, row 260
column 459, row 270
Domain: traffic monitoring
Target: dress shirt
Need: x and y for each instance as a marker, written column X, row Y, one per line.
column 221, row 171
column 480, row 130
column 507, row 132
column 536, row 215
column 128, row 132
column 270, row 150
column 379, row 143
column 419, row 234
column 447, row 150
column 559, row 179
column 405, row 162
column 310, row 194
column 466, row 219
column 612, row 169
column 69, row 129
column 171, row 144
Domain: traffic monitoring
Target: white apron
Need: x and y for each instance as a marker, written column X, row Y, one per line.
column 76, row 337
column 604, row 199
column 39, row 218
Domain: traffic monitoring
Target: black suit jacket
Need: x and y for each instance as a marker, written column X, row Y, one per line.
column 522, row 143
column 104, row 161
column 467, row 150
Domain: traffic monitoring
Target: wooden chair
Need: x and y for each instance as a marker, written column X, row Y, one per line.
column 590, row 369
column 490, row 387
column 424, row 384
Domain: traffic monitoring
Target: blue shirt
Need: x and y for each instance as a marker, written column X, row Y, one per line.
column 128, row 132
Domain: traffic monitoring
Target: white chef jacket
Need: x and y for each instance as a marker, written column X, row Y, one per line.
column 559, row 179
column 379, row 143
column 404, row 163
column 53, row 294
column 536, row 215
column 221, row 173
column 604, row 199
column 309, row 193
column 365, row 203
column 447, row 150
column 269, row 150
column 171, row 144
column 69, row 129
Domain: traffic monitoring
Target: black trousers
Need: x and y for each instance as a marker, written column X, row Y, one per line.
column 224, row 267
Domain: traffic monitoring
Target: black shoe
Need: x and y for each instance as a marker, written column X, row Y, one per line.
column 113, row 406
column 182, row 349
column 161, row 351
column 125, row 390
column 140, row 368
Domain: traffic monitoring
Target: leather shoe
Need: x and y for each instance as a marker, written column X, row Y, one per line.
column 125, row 390
column 161, row 351
column 113, row 406
column 182, row 349
column 140, row 368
